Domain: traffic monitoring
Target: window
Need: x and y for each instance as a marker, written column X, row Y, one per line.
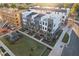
column 45, row 28
column 16, row 21
column 62, row 16
column 43, row 23
column 17, row 24
column 46, row 24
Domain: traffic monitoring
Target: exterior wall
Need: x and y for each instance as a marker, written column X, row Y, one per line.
column 44, row 26
column 34, row 17
column 57, row 18
column 44, row 20
column 24, row 15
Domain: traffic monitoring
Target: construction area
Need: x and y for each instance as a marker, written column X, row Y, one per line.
column 9, row 20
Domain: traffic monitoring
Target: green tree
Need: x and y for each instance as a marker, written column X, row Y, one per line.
column 13, row 5
column 74, row 8
column 66, row 5
column 21, row 7
column 1, row 5
column 6, row 5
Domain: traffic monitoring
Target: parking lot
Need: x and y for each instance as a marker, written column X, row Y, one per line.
column 73, row 48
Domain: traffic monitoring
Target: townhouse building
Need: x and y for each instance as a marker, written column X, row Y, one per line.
column 49, row 21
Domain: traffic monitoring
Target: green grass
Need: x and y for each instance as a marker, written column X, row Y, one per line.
column 53, row 43
column 25, row 46
column 65, row 38
column 46, row 52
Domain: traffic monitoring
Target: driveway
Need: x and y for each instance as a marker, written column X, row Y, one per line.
column 73, row 48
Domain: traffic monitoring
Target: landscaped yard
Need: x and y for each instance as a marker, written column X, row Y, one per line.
column 65, row 38
column 26, row 46
column 57, row 37
column 53, row 41
column 46, row 52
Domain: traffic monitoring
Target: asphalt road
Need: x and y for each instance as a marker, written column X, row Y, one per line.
column 73, row 48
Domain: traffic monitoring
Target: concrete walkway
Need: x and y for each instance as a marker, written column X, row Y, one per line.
column 37, row 40
column 59, row 46
column 7, row 50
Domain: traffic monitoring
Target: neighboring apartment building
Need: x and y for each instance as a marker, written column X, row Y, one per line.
column 40, row 9
column 12, row 16
column 47, row 21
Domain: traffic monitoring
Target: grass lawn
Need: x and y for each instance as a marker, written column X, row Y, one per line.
column 25, row 47
column 46, row 52
column 65, row 38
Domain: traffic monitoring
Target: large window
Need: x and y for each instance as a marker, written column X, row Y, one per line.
column 45, row 28
column 17, row 24
column 45, row 24
column 62, row 16
column 16, row 21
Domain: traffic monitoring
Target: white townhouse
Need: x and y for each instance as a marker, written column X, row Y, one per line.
column 49, row 21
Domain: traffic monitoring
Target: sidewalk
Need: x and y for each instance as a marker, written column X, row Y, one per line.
column 7, row 50
column 58, row 48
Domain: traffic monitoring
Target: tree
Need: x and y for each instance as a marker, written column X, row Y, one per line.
column 13, row 6
column 1, row 5
column 74, row 8
column 21, row 7
column 66, row 5
column 6, row 5
column 32, row 49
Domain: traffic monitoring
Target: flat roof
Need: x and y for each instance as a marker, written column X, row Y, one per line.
column 57, row 10
column 39, row 16
column 30, row 15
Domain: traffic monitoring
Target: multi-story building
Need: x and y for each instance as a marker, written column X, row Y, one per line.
column 49, row 21
column 12, row 16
